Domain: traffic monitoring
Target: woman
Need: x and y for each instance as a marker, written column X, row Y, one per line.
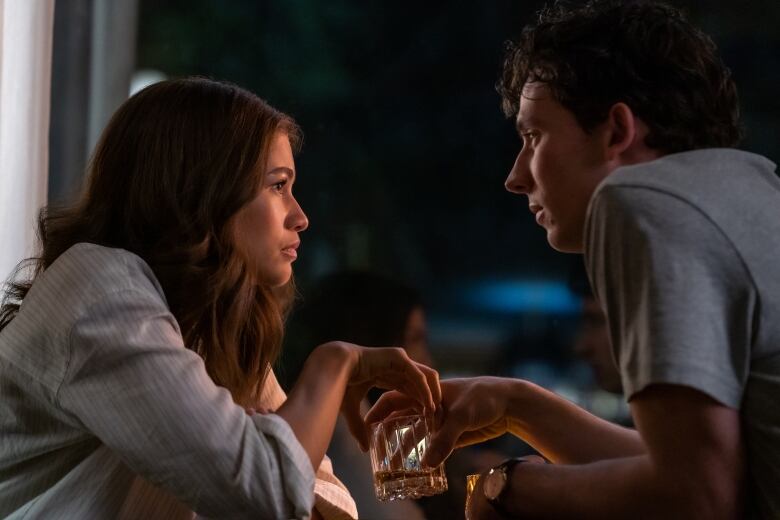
column 152, row 317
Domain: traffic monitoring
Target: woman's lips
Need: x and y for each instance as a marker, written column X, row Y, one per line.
column 291, row 252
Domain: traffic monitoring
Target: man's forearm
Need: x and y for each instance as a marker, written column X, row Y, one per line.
column 563, row 432
column 618, row 488
column 630, row 487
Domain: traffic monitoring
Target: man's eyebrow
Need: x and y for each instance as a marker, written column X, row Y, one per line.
column 282, row 169
column 524, row 124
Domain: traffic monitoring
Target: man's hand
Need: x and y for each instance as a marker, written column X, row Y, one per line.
column 473, row 411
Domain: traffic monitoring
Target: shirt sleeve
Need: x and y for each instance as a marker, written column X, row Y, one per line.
column 131, row 382
column 331, row 497
column 678, row 298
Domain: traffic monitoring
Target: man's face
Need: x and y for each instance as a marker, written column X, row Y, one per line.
column 558, row 167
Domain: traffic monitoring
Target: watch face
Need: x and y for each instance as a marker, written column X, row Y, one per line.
column 494, row 483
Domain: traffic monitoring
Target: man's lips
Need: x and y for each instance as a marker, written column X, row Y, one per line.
column 538, row 212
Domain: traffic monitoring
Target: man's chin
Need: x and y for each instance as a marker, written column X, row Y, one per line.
column 562, row 244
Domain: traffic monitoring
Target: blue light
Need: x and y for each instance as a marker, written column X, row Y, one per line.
column 514, row 296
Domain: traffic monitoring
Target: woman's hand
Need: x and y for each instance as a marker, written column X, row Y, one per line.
column 336, row 377
column 473, row 410
column 389, row 368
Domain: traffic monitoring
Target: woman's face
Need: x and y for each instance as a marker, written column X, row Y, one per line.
column 266, row 229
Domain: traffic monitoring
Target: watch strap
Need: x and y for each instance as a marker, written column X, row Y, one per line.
column 506, row 467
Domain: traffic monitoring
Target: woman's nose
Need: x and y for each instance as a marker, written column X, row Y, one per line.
column 297, row 219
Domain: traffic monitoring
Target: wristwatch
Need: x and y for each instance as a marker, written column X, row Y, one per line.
column 497, row 482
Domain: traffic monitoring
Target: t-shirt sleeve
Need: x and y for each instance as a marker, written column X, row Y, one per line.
column 677, row 295
column 132, row 383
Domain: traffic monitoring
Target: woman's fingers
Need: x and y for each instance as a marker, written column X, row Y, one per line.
column 394, row 370
column 388, row 403
column 404, row 413
column 418, row 385
column 351, row 410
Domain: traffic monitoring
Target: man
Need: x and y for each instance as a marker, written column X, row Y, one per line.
column 627, row 119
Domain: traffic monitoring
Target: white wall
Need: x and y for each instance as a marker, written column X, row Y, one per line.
column 26, row 28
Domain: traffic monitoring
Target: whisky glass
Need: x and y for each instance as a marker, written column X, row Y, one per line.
column 397, row 448
column 471, row 484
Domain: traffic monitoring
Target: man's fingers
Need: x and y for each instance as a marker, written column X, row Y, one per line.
column 469, row 438
column 432, row 376
column 535, row 459
column 442, row 443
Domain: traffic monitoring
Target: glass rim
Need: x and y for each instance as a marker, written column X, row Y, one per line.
column 400, row 417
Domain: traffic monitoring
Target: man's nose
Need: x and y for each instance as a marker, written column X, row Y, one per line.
column 519, row 180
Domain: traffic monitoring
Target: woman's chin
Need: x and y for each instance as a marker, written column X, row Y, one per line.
column 277, row 278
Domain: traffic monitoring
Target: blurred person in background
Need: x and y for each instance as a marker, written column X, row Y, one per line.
column 628, row 120
column 603, row 396
column 152, row 317
column 376, row 310
column 591, row 343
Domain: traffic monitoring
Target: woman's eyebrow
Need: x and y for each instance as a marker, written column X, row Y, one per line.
column 282, row 169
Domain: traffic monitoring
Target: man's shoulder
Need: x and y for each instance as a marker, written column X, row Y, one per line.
column 697, row 173
column 715, row 182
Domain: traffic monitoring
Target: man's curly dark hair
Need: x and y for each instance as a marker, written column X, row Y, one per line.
column 645, row 54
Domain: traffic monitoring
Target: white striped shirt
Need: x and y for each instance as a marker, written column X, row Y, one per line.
column 105, row 414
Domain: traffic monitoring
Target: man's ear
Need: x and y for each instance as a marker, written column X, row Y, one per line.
column 621, row 128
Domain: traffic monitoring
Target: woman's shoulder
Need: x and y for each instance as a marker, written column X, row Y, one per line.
column 92, row 271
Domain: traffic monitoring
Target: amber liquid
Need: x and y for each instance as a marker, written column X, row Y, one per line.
column 393, row 485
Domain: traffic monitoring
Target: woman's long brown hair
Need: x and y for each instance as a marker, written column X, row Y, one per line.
column 173, row 166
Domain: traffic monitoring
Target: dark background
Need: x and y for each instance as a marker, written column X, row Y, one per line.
column 406, row 149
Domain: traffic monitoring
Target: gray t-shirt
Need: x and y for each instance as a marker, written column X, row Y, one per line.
column 684, row 254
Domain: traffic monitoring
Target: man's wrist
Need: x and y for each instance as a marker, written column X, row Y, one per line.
column 516, row 393
column 505, row 474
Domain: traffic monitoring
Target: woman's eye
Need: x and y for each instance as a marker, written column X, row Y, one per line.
column 279, row 186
